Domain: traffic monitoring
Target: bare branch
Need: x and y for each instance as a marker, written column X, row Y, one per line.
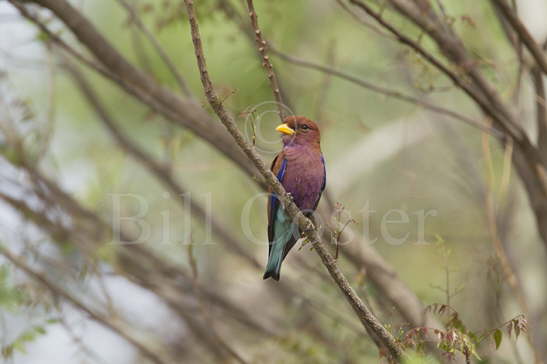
column 541, row 111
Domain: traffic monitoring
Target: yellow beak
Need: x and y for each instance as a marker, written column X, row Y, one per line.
column 285, row 129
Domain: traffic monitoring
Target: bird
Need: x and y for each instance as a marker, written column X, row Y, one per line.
column 300, row 167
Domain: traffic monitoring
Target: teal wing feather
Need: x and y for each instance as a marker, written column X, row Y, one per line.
column 281, row 230
column 279, row 167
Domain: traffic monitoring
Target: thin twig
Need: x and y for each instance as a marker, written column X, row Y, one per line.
column 136, row 19
column 362, row 21
column 232, row 13
column 204, row 306
column 516, row 43
column 503, row 258
column 262, row 47
column 326, row 83
column 386, row 91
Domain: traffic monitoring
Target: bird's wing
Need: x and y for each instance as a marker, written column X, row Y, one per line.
column 279, row 166
column 323, row 184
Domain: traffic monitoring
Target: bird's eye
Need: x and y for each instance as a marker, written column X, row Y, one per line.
column 304, row 127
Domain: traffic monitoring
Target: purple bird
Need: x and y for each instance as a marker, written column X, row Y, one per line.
column 300, row 168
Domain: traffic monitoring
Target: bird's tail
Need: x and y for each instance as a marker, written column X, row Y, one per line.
column 273, row 268
column 284, row 238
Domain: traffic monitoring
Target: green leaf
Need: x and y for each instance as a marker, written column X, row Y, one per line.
column 498, row 335
column 20, row 343
column 43, row 36
column 10, row 296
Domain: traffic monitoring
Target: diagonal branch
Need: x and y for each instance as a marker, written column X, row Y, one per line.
column 305, row 225
column 541, row 111
column 523, row 33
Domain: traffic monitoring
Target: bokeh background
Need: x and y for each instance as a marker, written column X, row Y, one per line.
column 389, row 162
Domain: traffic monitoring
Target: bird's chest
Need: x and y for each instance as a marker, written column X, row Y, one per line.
column 304, row 178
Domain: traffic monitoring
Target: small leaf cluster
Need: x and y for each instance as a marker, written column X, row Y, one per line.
column 456, row 337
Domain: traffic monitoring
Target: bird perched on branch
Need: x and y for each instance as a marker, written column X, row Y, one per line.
column 300, row 168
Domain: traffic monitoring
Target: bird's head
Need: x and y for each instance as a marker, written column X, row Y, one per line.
column 299, row 130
